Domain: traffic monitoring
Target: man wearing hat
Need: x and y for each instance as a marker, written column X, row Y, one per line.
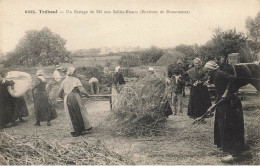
column 229, row 122
column 181, row 67
column 56, row 73
column 177, row 88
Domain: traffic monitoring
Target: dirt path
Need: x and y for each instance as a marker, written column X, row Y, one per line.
column 181, row 143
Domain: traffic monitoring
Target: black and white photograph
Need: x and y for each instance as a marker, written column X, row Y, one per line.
column 133, row 82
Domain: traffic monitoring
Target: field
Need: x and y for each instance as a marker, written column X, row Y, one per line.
column 96, row 60
column 179, row 143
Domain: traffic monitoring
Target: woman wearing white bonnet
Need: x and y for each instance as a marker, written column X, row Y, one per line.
column 75, row 110
column 42, row 106
column 70, row 71
column 56, row 73
column 211, row 65
column 199, row 100
column 117, row 69
column 229, row 122
column 151, row 70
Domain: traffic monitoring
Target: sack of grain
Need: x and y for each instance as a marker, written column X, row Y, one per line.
column 22, row 80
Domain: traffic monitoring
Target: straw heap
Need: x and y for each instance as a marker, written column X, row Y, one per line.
column 39, row 151
column 139, row 109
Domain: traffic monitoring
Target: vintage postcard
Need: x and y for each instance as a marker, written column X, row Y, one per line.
column 133, row 82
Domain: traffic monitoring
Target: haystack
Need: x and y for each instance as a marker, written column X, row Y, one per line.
column 141, row 108
column 171, row 58
column 31, row 150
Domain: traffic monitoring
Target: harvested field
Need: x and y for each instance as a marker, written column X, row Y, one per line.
column 35, row 150
column 178, row 142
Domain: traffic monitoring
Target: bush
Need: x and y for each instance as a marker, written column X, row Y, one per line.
column 85, row 73
column 89, row 72
column 129, row 60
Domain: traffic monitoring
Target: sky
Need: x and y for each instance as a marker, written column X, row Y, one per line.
column 94, row 30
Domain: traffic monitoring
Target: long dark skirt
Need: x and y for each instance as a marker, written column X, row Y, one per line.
column 74, row 109
column 43, row 108
column 229, row 126
column 20, row 108
column 199, row 101
column 6, row 106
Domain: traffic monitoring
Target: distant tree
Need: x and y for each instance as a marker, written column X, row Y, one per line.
column 253, row 32
column 188, row 50
column 39, row 48
column 207, row 51
column 151, row 55
column 226, row 42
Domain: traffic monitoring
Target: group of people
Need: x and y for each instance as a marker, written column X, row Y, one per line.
column 70, row 90
column 13, row 108
column 228, row 127
column 229, row 123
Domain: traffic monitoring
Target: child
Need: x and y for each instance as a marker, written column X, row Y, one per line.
column 176, row 90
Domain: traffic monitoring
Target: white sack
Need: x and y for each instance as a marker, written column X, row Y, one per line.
column 22, row 80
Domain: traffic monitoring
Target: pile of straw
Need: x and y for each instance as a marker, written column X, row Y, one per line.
column 139, row 109
column 171, row 58
column 38, row 151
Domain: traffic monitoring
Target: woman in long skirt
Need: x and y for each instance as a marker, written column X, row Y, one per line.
column 43, row 109
column 6, row 102
column 199, row 100
column 20, row 110
column 229, row 121
column 74, row 107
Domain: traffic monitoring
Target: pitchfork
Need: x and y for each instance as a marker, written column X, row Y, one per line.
column 209, row 111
